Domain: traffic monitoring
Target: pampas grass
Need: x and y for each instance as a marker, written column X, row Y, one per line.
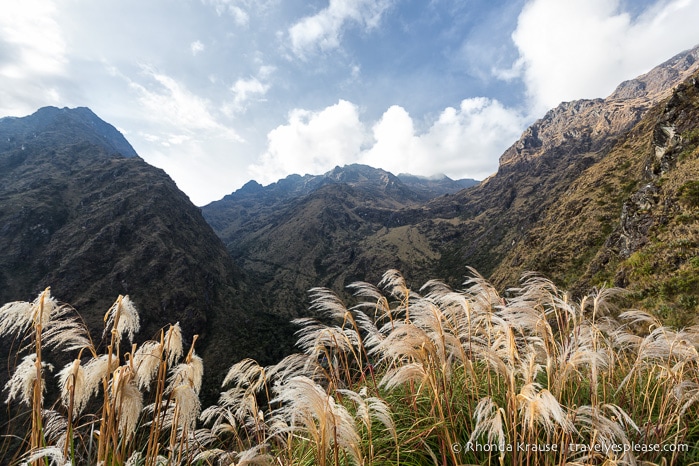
column 434, row 376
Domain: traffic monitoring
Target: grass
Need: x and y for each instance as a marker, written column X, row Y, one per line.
column 402, row 376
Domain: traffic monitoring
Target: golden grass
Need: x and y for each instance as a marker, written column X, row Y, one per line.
column 434, row 376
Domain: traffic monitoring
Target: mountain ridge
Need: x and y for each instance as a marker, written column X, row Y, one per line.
column 480, row 226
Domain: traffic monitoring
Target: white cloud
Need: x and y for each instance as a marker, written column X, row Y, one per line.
column 240, row 16
column 463, row 142
column 246, row 89
column 311, row 142
column 196, row 47
column 171, row 106
column 584, row 48
column 324, row 29
column 33, row 53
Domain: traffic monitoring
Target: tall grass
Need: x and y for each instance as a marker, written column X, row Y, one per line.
column 433, row 376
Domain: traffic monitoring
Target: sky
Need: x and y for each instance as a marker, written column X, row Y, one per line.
column 220, row 92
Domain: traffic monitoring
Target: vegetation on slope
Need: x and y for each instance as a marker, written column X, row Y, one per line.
column 401, row 377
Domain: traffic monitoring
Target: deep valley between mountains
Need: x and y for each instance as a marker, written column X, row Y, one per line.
column 596, row 194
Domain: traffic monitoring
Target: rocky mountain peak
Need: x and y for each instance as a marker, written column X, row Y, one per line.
column 589, row 125
column 60, row 126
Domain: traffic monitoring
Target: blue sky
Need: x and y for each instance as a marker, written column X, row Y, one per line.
column 218, row 92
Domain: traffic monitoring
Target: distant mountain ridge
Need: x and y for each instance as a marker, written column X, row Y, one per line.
column 304, row 231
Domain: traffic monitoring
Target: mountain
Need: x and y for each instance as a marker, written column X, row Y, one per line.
column 324, row 230
column 630, row 220
column 82, row 213
column 570, row 199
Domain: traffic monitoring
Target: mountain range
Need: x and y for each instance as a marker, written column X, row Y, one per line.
column 601, row 192
column 559, row 204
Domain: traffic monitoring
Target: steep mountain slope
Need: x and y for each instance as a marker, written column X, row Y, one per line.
column 531, row 215
column 325, row 230
column 632, row 220
column 82, row 213
column 488, row 221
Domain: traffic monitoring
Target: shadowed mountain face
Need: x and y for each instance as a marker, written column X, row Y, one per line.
column 82, row 213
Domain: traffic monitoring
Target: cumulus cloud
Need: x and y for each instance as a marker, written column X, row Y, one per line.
column 584, row 48
column 462, row 142
column 324, row 29
column 311, row 142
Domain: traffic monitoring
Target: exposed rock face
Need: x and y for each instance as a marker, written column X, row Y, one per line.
column 590, row 125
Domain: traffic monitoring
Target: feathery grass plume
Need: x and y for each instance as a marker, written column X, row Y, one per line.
column 254, row 456
column 66, row 331
column 190, row 372
column 245, row 372
column 539, row 406
column 43, row 308
column 215, row 456
column 146, row 360
column 329, row 304
column 173, row 343
column 55, row 427
column 127, row 400
column 294, row 364
column 137, row 459
column 490, row 420
column 310, row 411
column 601, row 428
column 75, row 392
column 394, row 282
column 378, row 311
column 369, row 408
column 122, row 318
column 239, row 405
column 21, row 384
column 481, row 292
column 98, row 368
column 574, row 354
column 186, row 409
column 17, row 317
column 51, row 455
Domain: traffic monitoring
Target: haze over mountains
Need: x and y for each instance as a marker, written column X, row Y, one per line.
column 602, row 191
